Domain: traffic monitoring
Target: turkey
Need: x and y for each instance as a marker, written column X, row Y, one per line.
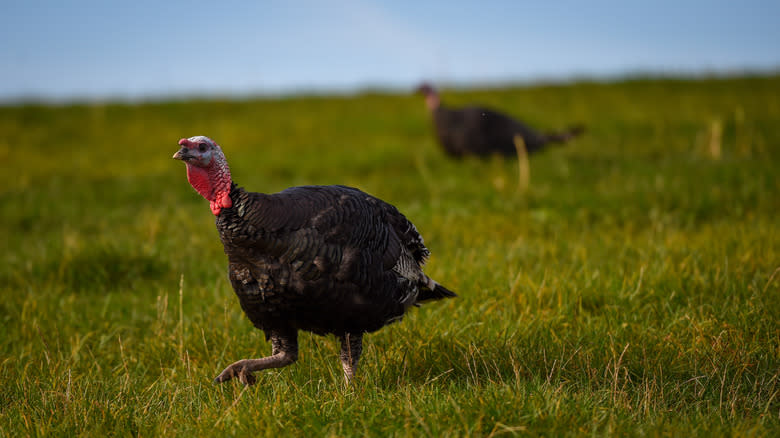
column 325, row 259
column 480, row 131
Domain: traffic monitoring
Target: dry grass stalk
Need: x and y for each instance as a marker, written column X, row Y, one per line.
column 523, row 167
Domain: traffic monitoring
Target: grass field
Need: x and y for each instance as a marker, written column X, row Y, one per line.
column 633, row 288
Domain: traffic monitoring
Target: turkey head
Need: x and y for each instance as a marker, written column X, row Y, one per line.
column 207, row 170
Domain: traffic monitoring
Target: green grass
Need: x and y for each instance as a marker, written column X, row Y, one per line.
column 632, row 289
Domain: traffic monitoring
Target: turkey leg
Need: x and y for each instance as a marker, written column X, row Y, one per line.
column 284, row 351
column 351, row 347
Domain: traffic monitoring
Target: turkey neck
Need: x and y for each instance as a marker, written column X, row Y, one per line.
column 432, row 101
column 240, row 227
column 246, row 206
column 213, row 183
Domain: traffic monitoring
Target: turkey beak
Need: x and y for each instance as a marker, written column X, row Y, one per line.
column 182, row 154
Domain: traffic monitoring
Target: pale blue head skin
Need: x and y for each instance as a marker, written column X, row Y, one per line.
column 198, row 151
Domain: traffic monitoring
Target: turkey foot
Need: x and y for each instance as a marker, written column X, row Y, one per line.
column 237, row 369
column 284, row 352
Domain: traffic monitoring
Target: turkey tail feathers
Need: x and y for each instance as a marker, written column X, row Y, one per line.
column 568, row 134
column 437, row 292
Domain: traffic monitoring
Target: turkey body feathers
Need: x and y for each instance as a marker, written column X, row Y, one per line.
column 481, row 131
column 326, row 259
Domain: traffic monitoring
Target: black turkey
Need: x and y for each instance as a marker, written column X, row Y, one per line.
column 326, row 259
column 480, row 131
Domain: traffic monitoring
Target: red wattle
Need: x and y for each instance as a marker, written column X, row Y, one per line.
column 212, row 182
column 215, row 208
column 224, row 200
column 200, row 181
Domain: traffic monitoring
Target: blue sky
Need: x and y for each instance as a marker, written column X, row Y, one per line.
column 136, row 49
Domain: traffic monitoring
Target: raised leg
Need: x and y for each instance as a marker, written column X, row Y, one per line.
column 351, row 347
column 284, row 351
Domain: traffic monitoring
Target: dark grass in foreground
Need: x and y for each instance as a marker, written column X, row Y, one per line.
column 633, row 287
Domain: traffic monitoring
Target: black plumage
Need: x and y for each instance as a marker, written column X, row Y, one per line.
column 474, row 130
column 325, row 259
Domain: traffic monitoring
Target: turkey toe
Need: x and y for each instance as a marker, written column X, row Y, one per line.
column 246, row 377
column 229, row 373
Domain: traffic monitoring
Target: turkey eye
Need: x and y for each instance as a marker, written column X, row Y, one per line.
column 202, row 147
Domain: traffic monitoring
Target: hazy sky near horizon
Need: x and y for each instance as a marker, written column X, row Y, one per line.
column 100, row 49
